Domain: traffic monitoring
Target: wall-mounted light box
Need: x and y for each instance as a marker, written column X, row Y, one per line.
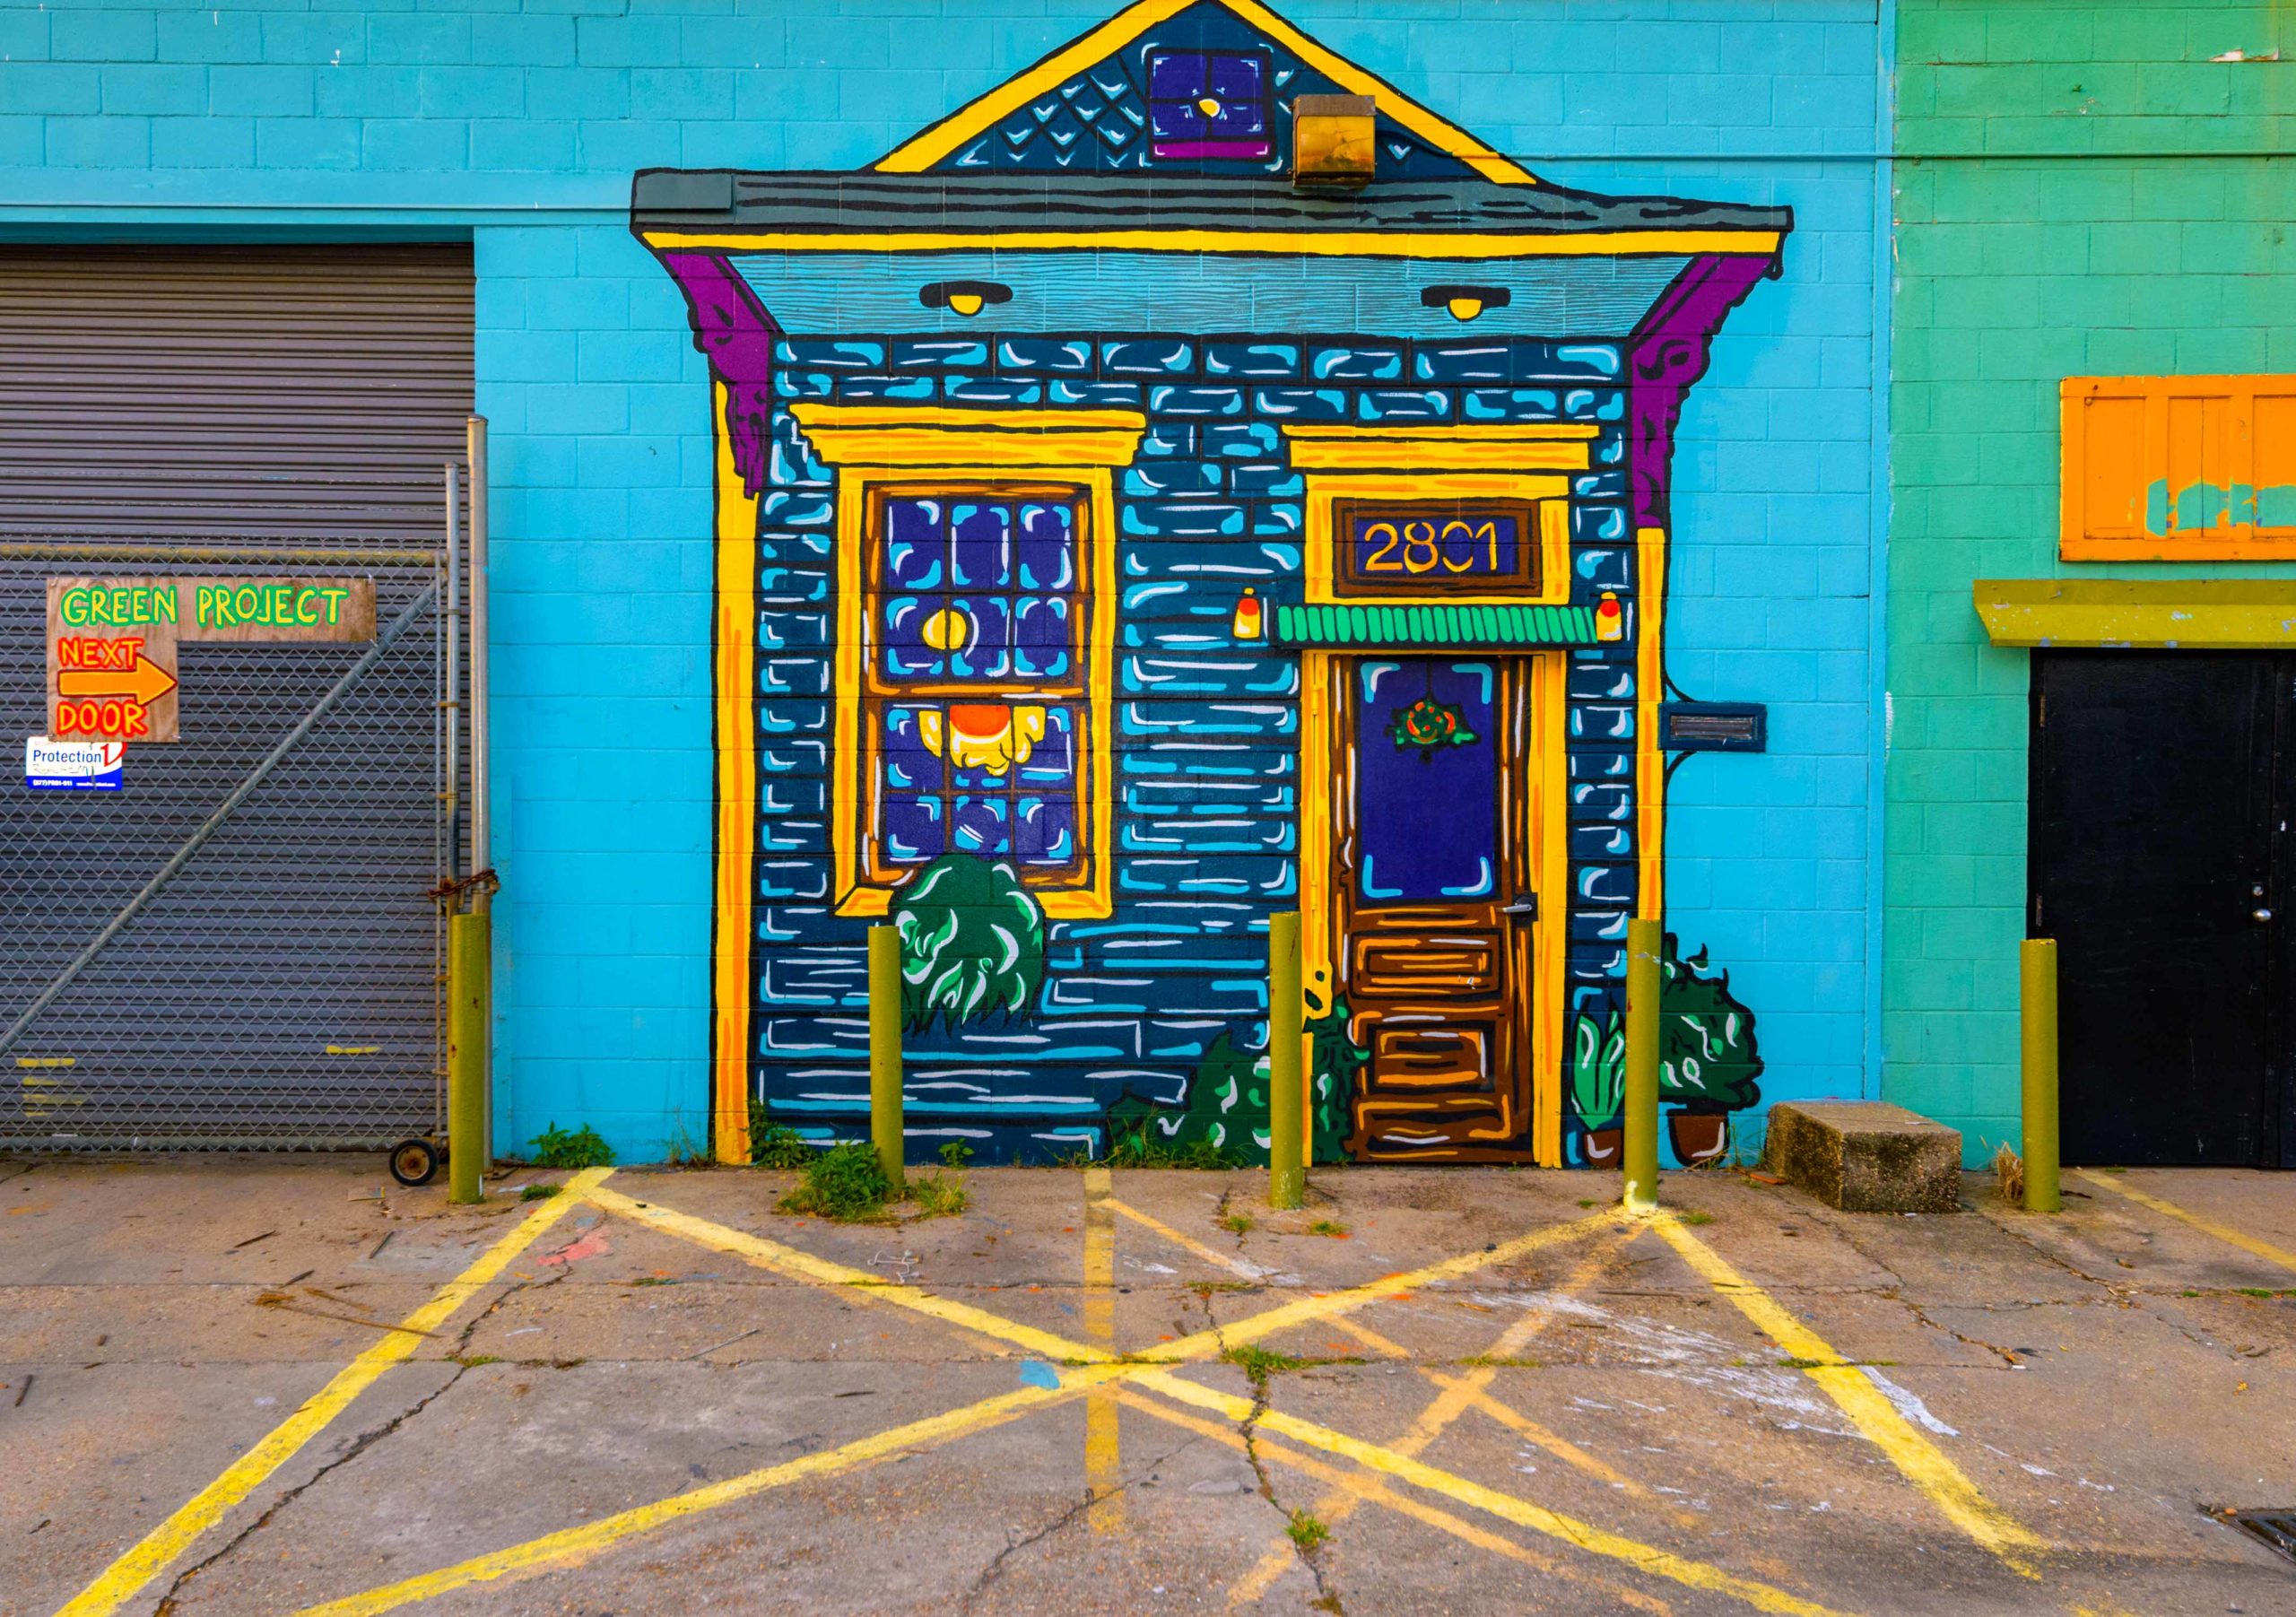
column 1714, row 727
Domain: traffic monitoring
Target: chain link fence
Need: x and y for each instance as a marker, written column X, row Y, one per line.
column 283, row 990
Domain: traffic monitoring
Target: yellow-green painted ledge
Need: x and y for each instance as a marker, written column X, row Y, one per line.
column 2191, row 614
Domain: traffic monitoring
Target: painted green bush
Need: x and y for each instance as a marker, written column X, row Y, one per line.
column 1708, row 1057
column 971, row 942
column 1708, row 1061
column 1598, row 1069
column 1225, row 1110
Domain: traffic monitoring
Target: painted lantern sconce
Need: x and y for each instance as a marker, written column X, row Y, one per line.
column 1121, row 541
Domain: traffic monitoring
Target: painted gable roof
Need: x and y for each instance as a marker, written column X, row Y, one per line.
column 1202, row 86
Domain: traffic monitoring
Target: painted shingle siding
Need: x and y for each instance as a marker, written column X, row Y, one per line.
column 1206, row 729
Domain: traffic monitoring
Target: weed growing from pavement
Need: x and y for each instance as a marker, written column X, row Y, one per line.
column 780, row 1146
column 846, row 1184
column 2009, row 1176
column 956, row 1153
column 582, row 1147
column 1258, row 1363
column 1327, row 1227
column 471, row 1361
column 1588, row 1201
column 1306, row 1531
column 1696, row 1218
column 1137, row 1150
column 537, row 1193
column 936, row 1197
column 1505, row 1361
column 1238, row 1223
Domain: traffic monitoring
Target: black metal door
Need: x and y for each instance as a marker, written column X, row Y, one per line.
column 2155, row 820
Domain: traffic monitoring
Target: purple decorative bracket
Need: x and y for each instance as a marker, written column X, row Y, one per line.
column 1669, row 353
column 735, row 334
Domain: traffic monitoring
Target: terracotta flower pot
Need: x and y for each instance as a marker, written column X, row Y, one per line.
column 1698, row 1136
column 1604, row 1146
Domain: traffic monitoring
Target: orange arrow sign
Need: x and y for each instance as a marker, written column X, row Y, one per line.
column 145, row 682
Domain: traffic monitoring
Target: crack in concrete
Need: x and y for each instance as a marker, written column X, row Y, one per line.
column 348, row 1452
column 1065, row 1519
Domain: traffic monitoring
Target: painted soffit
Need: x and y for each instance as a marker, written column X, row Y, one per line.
column 2190, row 615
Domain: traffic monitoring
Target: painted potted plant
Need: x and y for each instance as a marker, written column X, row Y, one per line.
column 1708, row 1061
column 1598, row 1083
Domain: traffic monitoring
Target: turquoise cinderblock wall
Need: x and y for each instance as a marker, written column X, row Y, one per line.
column 2078, row 197
column 517, row 127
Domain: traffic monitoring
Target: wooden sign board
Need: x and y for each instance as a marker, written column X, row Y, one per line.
column 111, row 642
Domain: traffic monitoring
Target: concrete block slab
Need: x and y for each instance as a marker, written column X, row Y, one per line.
column 1866, row 1156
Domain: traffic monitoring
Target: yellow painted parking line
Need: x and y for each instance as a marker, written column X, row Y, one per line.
column 573, row 1546
column 1103, row 1463
column 1869, row 1409
column 1356, row 1488
column 118, row 1582
column 1585, row 1536
column 821, row 1271
column 1331, row 1305
column 2223, row 1232
column 1459, row 1395
column 1189, row 1244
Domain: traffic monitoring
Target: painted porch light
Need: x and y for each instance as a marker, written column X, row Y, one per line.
column 1250, row 622
column 1208, row 104
column 966, row 298
column 1463, row 303
column 1610, row 618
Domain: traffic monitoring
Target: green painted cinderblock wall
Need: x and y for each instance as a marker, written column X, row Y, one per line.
column 2075, row 196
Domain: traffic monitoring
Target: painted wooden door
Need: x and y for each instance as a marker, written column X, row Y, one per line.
column 2159, row 864
column 1433, row 906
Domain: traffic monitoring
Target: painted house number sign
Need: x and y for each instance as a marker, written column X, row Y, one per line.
column 1416, row 547
column 111, row 642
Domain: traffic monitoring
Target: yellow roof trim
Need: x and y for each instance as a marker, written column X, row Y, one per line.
column 1327, row 244
column 921, row 150
column 1461, row 432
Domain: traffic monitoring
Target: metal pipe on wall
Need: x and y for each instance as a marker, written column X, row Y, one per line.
column 452, row 702
column 482, row 806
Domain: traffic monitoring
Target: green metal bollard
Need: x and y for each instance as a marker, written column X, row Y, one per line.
column 885, row 1051
column 1643, row 941
column 469, row 991
column 1287, row 1094
column 2036, row 973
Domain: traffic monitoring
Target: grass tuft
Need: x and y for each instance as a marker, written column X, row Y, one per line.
column 537, row 1193
column 1695, row 1218
column 2009, row 1176
column 1258, row 1363
column 1306, row 1532
column 938, row 1197
column 844, row 1183
column 1337, row 1231
column 582, row 1147
column 1238, row 1223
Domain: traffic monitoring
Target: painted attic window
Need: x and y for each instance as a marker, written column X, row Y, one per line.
column 2198, row 469
column 1209, row 104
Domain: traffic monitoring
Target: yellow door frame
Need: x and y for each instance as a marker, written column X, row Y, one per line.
column 1549, row 810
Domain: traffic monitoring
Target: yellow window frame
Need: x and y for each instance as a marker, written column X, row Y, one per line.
column 1081, row 898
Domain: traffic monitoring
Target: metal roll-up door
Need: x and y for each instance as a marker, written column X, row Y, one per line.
column 241, row 411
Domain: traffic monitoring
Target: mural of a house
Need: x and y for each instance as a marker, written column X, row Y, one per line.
column 1120, row 543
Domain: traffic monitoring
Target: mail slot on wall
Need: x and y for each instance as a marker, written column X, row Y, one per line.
column 1714, row 727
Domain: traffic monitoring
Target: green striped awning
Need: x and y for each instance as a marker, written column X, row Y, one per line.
column 1462, row 625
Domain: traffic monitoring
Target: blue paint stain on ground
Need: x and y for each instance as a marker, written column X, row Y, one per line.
column 1036, row 1372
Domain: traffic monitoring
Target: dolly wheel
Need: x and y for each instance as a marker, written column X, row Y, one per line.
column 414, row 1161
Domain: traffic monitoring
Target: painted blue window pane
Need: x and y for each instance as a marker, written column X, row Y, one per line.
column 980, row 637
column 907, row 654
column 913, row 543
column 1041, row 638
column 1427, row 817
column 980, row 545
column 913, row 831
column 908, row 762
column 1047, row 547
column 1044, row 831
column 1208, row 104
column 978, row 825
column 1051, row 763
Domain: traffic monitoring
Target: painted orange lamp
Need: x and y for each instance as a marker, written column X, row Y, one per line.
column 1250, row 623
